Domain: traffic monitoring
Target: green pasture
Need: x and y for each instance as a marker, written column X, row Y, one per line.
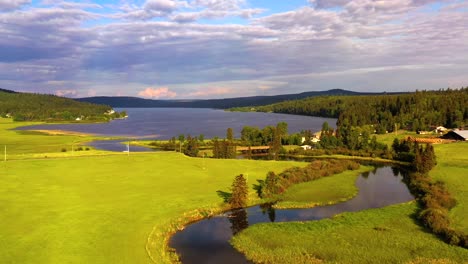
column 389, row 235
column 389, row 137
column 385, row 235
column 326, row 190
column 103, row 209
column 452, row 168
column 23, row 143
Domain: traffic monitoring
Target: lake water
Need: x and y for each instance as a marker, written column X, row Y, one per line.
column 207, row 241
column 164, row 123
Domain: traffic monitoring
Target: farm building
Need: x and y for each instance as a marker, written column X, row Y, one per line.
column 461, row 135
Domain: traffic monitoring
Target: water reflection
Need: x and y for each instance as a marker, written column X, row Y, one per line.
column 238, row 220
column 207, row 241
column 269, row 210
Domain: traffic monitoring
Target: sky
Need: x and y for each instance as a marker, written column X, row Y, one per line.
column 198, row 49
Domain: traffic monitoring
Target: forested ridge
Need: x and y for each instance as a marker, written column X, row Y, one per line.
column 420, row 110
column 41, row 107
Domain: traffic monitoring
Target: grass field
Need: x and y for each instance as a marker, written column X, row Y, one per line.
column 389, row 235
column 23, row 143
column 386, row 235
column 326, row 190
column 452, row 168
column 98, row 207
column 102, row 209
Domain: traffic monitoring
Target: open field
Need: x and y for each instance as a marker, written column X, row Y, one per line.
column 21, row 143
column 389, row 234
column 385, row 235
column 452, row 168
column 102, row 209
column 326, row 190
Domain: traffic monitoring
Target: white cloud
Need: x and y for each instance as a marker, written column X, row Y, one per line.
column 8, row 5
column 157, row 93
column 62, row 42
column 160, row 5
column 66, row 93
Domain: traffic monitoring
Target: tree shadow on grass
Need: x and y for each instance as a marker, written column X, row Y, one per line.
column 226, row 196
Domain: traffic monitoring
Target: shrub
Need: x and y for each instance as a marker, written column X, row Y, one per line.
column 435, row 219
column 277, row 184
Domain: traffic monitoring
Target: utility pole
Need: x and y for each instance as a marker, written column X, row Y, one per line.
column 128, row 148
column 204, row 154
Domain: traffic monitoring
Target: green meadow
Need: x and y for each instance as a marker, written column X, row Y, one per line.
column 326, row 190
column 103, row 209
column 452, row 168
column 27, row 144
column 389, row 235
column 385, row 235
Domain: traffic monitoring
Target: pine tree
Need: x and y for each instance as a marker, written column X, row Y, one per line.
column 216, row 148
column 271, row 182
column 239, row 192
column 229, row 134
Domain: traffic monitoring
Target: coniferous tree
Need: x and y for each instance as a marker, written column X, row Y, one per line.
column 229, row 134
column 216, row 148
column 271, row 182
column 239, row 192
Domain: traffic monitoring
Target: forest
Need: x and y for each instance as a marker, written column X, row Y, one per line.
column 421, row 110
column 41, row 107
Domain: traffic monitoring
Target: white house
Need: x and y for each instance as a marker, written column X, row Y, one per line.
column 306, row 147
column 440, row 129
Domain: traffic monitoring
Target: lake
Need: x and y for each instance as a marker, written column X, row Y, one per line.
column 164, row 123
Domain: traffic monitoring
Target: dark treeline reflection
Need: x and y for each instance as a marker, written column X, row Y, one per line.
column 268, row 209
column 238, row 219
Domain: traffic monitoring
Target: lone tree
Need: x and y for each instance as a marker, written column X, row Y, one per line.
column 239, row 192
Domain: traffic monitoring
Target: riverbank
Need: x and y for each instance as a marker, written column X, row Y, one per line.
column 385, row 235
column 324, row 191
column 390, row 235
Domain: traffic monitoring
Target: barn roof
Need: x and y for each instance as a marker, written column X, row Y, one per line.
column 461, row 133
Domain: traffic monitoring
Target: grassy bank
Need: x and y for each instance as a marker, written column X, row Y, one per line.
column 386, row 235
column 102, row 209
column 452, row 168
column 327, row 190
column 389, row 235
column 23, row 143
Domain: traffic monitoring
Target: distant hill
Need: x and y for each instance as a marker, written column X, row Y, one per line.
column 130, row 102
column 6, row 91
column 43, row 107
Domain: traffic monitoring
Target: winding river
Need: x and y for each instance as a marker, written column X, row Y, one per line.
column 207, row 241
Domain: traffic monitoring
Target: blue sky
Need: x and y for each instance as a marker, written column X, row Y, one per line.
column 176, row 49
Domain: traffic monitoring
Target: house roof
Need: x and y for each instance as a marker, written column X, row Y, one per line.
column 461, row 133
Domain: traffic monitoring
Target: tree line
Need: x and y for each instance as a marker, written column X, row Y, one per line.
column 41, row 107
column 420, row 110
column 433, row 197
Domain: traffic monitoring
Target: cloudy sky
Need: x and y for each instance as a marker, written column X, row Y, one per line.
column 171, row 49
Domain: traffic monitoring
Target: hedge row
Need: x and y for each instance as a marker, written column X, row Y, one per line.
column 435, row 202
column 275, row 184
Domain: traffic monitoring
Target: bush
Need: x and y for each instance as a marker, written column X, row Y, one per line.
column 64, row 150
column 435, row 219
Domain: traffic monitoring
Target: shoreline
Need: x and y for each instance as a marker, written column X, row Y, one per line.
column 55, row 132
